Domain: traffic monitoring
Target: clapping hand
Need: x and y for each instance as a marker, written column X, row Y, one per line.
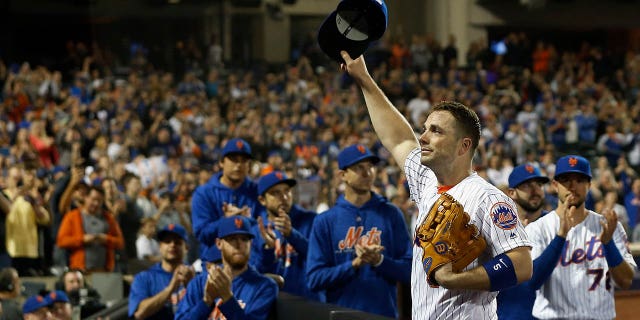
column 231, row 210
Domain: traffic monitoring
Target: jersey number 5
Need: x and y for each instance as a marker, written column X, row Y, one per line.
column 598, row 276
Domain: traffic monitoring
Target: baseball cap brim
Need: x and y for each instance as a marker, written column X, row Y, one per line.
column 164, row 233
column 374, row 159
column 571, row 171
column 539, row 178
column 332, row 41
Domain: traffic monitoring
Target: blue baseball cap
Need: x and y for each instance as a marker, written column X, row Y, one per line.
column 573, row 164
column 56, row 296
column 233, row 225
column 352, row 27
column 238, row 146
column 34, row 303
column 172, row 228
column 354, row 154
column 271, row 179
column 523, row 173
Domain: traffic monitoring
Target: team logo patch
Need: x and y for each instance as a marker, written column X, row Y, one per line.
column 504, row 216
column 529, row 168
column 441, row 247
column 238, row 223
column 427, row 264
column 361, row 149
column 572, row 161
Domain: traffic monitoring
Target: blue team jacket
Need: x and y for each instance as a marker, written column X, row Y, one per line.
column 206, row 207
column 253, row 297
column 147, row 284
column 332, row 248
column 289, row 258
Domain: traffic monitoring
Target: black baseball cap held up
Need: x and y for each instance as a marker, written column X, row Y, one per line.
column 352, row 27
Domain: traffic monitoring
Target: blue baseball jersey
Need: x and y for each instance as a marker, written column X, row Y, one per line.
column 206, row 207
column 332, row 249
column 254, row 296
column 289, row 257
column 147, row 284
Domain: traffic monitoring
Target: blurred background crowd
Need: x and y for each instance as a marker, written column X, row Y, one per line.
column 150, row 137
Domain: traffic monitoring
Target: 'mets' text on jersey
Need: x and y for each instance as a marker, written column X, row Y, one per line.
column 334, row 236
column 582, row 264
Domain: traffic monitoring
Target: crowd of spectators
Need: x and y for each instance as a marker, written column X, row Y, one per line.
column 151, row 135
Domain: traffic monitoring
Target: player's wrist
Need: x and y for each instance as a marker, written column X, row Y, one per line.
column 380, row 260
column 612, row 254
column 207, row 299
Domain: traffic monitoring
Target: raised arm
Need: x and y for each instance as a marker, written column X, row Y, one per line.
column 392, row 128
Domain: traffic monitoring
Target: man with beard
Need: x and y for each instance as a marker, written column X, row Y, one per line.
column 526, row 189
column 282, row 234
column 233, row 290
column 156, row 292
column 572, row 242
column 359, row 249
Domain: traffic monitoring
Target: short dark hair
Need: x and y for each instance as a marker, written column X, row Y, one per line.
column 97, row 189
column 468, row 120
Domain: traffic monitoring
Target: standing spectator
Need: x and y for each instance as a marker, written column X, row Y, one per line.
column 418, row 108
column 229, row 192
column 233, row 290
column 611, row 144
column 359, row 249
column 450, row 52
column 147, row 247
column 282, row 234
column 43, row 144
column 156, row 292
column 91, row 235
column 591, row 249
column 129, row 219
column 26, row 213
column 10, row 289
column 5, row 208
column 632, row 203
column 168, row 213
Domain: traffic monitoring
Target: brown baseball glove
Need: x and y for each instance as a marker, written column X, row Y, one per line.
column 447, row 236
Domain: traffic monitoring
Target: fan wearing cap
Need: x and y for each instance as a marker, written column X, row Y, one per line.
column 592, row 251
column 228, row 193
column 36, row 307
column 359, row 249
column 526, row 189
column 234, row 289
column 59, row 305
column 282, row 234
column 156, row 292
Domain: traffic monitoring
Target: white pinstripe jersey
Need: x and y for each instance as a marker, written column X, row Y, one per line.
column 492, row 211
column 580, row 286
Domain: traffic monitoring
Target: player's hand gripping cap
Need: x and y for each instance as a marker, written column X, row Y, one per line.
column 352, row 27
column 447, row 236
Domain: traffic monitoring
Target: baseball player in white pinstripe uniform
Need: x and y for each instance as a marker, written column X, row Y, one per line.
column 577, row 276
column 441, row 160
